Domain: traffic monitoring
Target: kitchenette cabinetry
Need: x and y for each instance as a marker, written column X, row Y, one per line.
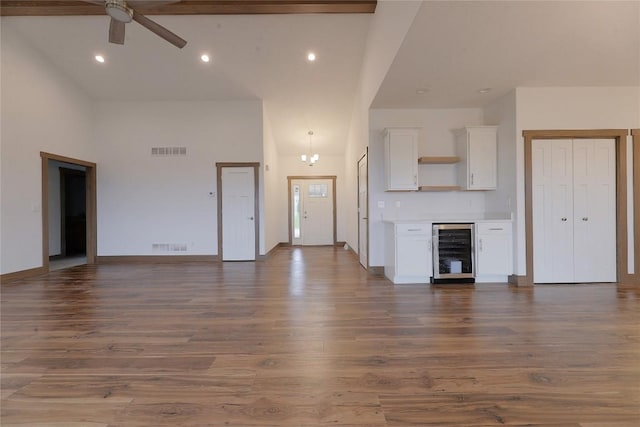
column 475, row 162
column 409, row 250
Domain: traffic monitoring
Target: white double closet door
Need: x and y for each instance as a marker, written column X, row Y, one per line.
column 574, row 210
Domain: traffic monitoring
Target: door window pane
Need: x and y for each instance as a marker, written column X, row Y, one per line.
column 296, row 211
column 317, row 190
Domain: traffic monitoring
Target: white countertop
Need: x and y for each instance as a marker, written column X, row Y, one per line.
column 453, row 218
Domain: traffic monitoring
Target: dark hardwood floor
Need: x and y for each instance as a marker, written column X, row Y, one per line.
column 307, row 338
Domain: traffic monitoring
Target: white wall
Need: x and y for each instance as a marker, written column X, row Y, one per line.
column 327, row 165
column 387, row 30
column 568, row 108
column 272, row 191
column 42, row 110
column 143, row 199
column 502, row 113
column 436, row 138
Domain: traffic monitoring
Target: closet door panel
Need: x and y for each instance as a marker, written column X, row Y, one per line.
column 595, row 212
column 562, row 211
column 542, row 209
column 582, row 156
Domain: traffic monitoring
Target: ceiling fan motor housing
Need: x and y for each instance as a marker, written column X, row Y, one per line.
column 118, row 10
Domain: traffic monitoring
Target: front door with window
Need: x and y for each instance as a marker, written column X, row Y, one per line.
column 312, row 216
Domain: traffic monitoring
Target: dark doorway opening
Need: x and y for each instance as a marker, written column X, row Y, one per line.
column 67, row 207
column 73, row 213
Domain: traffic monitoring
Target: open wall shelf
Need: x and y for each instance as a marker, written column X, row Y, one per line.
column 438, row 160
column 425, row 188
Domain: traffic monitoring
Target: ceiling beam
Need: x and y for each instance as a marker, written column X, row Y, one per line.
column 190, row 7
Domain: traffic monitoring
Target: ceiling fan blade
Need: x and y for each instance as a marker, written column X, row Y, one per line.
column 159, row 30
column 150, row 3
column 116, row 32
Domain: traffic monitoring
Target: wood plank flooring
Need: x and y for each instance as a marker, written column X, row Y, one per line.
column 307, row 338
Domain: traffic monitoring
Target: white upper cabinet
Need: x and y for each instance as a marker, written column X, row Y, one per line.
column 477, row 149
column 401, row 159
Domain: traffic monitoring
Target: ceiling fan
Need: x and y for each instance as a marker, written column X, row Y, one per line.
column 122, row 13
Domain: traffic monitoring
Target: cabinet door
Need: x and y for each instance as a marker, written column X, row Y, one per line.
column 401, row 159
column 482, row 159
column 494, row 252
column 413, row 256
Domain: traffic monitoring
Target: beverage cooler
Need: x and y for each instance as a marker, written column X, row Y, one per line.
column 453, row 253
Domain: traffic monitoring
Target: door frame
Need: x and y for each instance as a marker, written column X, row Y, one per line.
column 620, row 137
column 635, row 140
column 91, row 214
column 363, row 156
column 333, row 180
column 256, row 181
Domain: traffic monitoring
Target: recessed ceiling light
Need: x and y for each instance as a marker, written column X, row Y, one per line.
column 484, row 90
column 205, row 58
column 422, row 91
column 311, row 56
column 99, row 58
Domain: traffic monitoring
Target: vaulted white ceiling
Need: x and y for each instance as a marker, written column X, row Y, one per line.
column 259, row 57
column 452, row 50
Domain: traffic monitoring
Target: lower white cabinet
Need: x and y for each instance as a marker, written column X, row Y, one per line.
column 493, row 249
column 408, row 253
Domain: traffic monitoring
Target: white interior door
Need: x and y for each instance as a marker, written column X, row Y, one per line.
column 594, row 210
column 238, row 214
column 363, row 212
column 312, row 216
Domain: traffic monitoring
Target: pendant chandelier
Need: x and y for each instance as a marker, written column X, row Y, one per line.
column 311, row 157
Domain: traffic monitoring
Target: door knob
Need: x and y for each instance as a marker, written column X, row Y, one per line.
column 563, row 219
column 251, row 218
column 584, row 218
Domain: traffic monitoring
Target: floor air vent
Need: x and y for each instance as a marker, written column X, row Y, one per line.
column 169, row 247
column 168, row 151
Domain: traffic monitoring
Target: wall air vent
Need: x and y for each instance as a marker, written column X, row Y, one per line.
column 169, row 247
column 168, row 151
